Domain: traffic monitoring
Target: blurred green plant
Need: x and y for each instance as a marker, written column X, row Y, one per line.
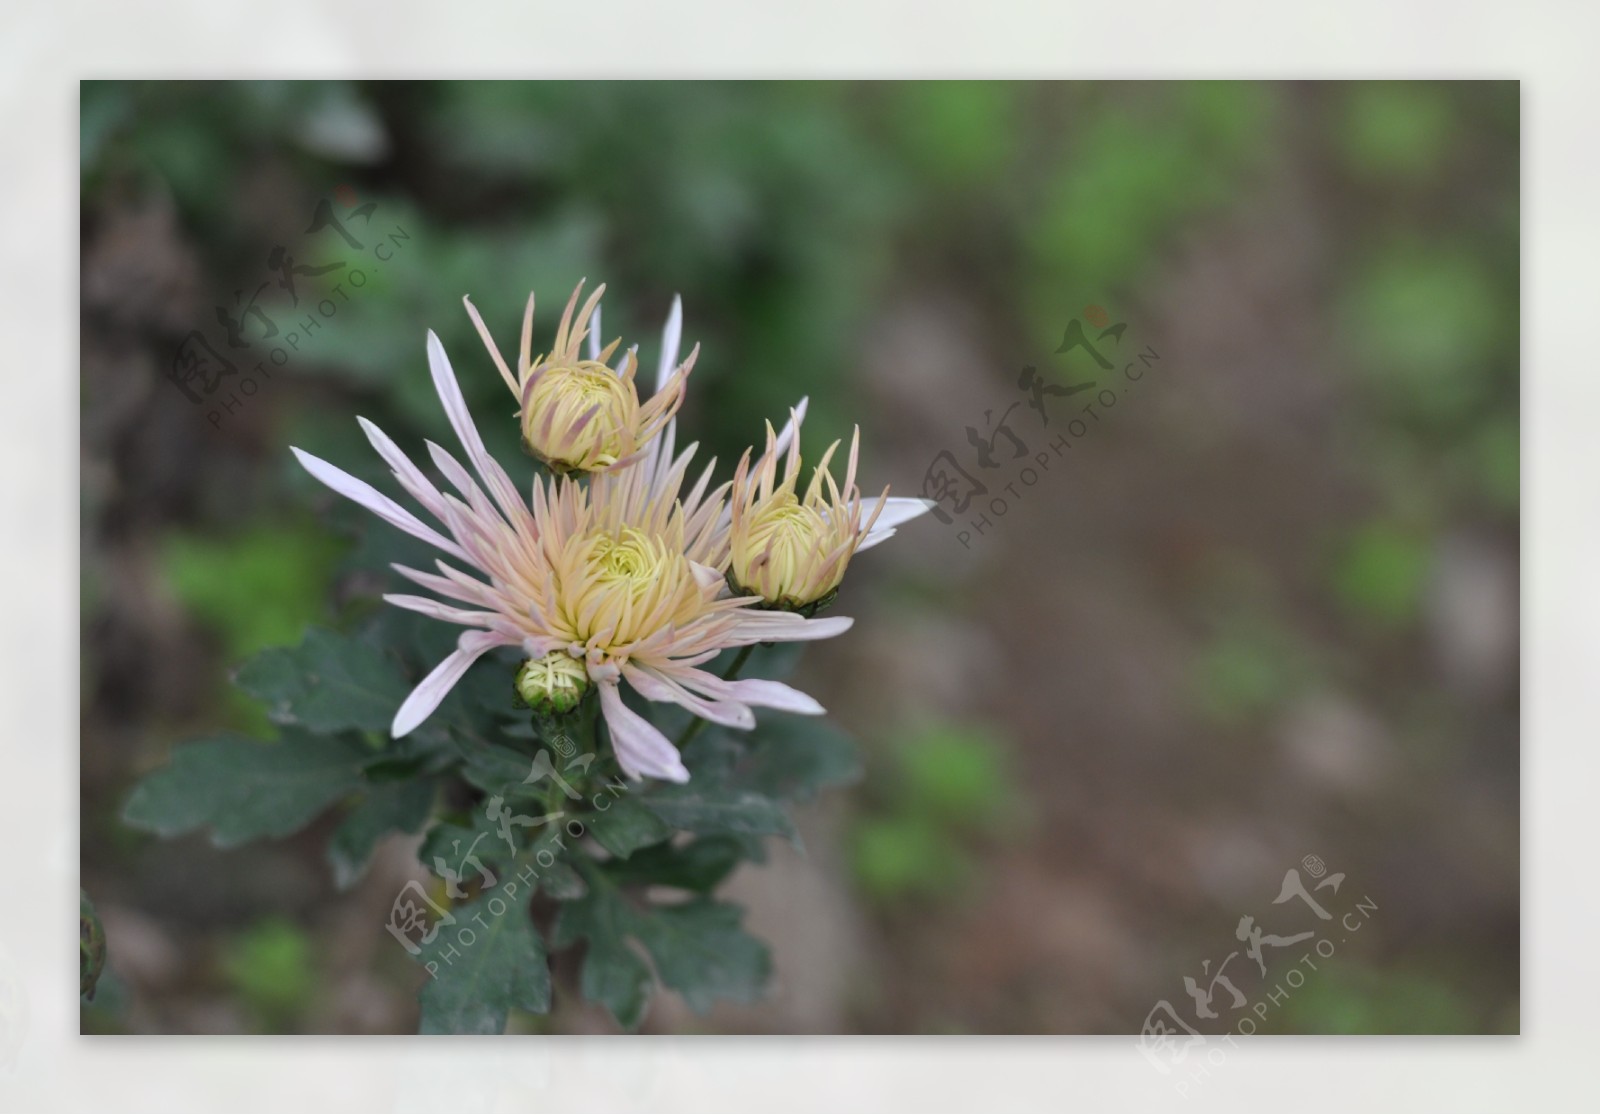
column 1345, row 997
column 1129, row 175
column 1423, row 325
column 1395, row 131
column 1381, row 573
column 270, row 967
column 951, row 789
column 257, row 589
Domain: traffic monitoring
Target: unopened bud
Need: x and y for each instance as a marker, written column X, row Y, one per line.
column 554, row 683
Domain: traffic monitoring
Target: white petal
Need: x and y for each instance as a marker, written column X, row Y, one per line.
column 896, row 510
column 437, row 685
column 671, row 341
column 455, row 408
column 409, row 475
column 774, row 694
column 705, row 576
column 593, row 339
column 753, row 691
column 438, row 610
column 642, row 751
column 375, row 501
column 622, row 361
column 760, row 626
column 786, row 435
column 662, row 686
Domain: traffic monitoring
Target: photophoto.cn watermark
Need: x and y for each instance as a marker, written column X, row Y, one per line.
column 1190, row 1043
column 253, row 343
column 416, row 920
column 1004, row 465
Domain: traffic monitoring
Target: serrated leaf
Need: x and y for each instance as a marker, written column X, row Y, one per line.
column 484, row 965
column 625, row 826
column 476, row 853
column 387, row 807
column 794, row 757
column 707, row 809
column 244, row 789
column 701, row 952
column 328, row 683
column 496, row 769
column 450, row 843
column 697, row 866
column 613, row 974
column 698, row 949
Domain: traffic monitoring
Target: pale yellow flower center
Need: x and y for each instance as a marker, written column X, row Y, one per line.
column 626, row 586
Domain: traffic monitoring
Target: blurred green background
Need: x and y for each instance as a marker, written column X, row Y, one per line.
column 1267, row 607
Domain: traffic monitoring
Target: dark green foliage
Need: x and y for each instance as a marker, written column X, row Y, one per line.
column 530, row 822
column 489, row 962
column 245, row 790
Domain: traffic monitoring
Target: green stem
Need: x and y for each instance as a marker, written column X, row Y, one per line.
column 727, row 675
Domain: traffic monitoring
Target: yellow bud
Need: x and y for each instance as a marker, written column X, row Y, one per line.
column 780, row 552
column 580, row 417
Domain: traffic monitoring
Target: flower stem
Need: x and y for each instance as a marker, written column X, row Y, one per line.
column 727, row 675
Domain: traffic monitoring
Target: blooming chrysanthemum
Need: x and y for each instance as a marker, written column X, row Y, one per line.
column 577, row 413
column 620, row 574
column 881, row 514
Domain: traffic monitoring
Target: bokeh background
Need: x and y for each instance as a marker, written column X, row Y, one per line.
column 1265, row 607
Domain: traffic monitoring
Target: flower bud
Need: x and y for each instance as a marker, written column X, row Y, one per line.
column 789, row 547
column 580, row 417
column 780, row 552
column 554, row 683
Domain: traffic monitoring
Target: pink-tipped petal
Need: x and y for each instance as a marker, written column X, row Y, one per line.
column 762, row 627
column 642, row 751
column 455, row 407
column 437, row 685
column 359, row 491
column 774, row 694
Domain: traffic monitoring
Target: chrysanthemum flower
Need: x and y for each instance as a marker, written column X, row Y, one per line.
column 791, row 548
column 884, row 514
column 577, row 413
column 621, row 575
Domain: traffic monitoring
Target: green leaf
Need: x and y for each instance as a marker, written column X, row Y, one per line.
column 244, row 789
column 496, row 769
column 91, row 947
column 698, row 866
column 329, row 683
column 707, row 809
column 388, row 807
column 483, row 966
column 537, row 864
column 625, row 826
column 698, row 949
column 792, row 758
column 701, row 952
column 613, row 974
column 452, row 842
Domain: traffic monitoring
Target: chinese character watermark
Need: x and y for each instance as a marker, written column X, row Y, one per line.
column 248, row 341
column 1190, row 1048
column 1002, row 459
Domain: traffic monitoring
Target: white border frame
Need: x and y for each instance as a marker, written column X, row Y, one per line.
column 46, row 49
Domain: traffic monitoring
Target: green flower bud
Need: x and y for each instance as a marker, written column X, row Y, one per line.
column 554, row 683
